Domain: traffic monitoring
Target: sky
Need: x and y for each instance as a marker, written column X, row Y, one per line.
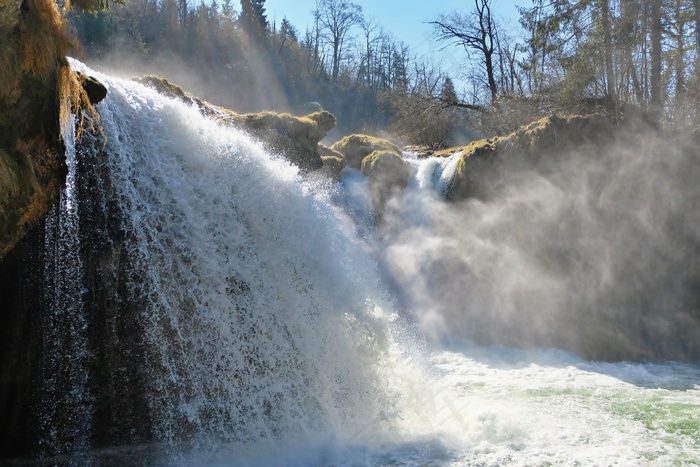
column 405, row 19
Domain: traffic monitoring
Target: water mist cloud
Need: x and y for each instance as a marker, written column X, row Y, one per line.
column 593, row 250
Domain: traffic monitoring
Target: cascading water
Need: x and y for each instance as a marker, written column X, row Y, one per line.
column 209, row 307
column 66, row 398
column 261, row 322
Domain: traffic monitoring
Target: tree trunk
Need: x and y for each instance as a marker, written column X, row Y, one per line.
column 655, row 56
column 697, row 44
column 607, row 38
column 680, row 63
column 629, row 18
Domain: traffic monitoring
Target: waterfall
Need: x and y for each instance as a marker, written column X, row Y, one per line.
column 202, row 303
column 66, row 397
column 261, row 320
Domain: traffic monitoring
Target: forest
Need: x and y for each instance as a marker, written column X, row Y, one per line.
column 568, row 56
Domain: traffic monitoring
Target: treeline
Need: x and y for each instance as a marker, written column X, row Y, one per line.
column 570, row 56
column 232, row 54
column 583, row 55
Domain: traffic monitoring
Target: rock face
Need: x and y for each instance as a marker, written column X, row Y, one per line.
column 31, row 171
column 296, row 138
column 37, row 93
column 41, row 329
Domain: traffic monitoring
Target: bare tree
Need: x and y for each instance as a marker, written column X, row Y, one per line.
column 337, row 18
column 372, row 33
column 475, row 32
column 656, row 30
column 607, row 46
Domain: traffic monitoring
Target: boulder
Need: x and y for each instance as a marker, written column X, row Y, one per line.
column 333, row 163
column 388, row 176
column 355, row 148
column 95, row 90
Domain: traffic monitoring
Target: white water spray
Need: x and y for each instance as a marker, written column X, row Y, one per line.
column 265, row 323
column 67, row 400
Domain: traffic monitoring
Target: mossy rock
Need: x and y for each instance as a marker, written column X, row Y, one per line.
column 386, row 168
column 295, row 138
column 470, row 178
column 34, row 39
column 30, row 180
column 166, row 88
column 325, row 151
column 388, row 176
column 355, row 148
column 528, row 145
column 333, row 164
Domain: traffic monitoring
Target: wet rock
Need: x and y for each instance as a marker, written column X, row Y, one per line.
column 95, row 90
column 388, row 176
column 333, row 162
column 355, row 148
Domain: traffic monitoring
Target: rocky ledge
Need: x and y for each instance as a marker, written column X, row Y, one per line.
column 295, row 138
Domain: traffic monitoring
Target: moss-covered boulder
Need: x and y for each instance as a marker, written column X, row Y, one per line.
column 388, row 176
column 527, row 145
column 333, row 162
column 386, row 168
column 295, row 138
column 355, row 148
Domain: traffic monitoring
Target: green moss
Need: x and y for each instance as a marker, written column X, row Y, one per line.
column 387, row 167
column 355, row 148
column 332, row 166
column 388, row 176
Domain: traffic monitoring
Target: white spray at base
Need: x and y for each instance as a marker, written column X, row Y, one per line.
column 275, row 343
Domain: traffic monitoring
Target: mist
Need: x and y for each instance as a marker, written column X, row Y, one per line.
column 594, row 250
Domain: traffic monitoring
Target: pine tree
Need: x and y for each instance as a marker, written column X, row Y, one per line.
column 448, row 95
column 253, row 19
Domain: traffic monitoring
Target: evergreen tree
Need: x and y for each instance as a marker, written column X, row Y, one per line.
column 448, row 95
column 253, row 20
